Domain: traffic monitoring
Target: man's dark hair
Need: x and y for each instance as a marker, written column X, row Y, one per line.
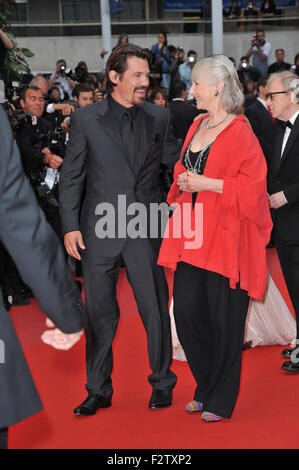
column 260, row 30
column 244, row 57
column 279, row 49
column 81, row 88
column 30, row 87
column 191, row 52
column 118, row 61
column 178, row 87
column 62, row 61
column 262, row 81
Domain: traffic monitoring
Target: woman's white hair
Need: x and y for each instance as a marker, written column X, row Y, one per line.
column 290, row 82
column 219, row 68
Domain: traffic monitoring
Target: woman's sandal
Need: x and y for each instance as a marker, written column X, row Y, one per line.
column 193, row 406
column 210, row 417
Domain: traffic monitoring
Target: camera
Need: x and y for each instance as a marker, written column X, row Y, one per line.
column 191, row 58
column 13, row 92
column 255, row 41
column 244, row 64
column 45, row 196
column 68, row 72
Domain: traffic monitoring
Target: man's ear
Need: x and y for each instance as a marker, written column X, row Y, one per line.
column 22, row 102
column 114, row 77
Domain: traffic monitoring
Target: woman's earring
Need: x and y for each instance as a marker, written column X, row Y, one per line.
column 216, row 93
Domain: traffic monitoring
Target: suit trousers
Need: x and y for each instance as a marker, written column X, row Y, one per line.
column 3, row 438
column 150, row 290
column 288, row 254
column 210, row 320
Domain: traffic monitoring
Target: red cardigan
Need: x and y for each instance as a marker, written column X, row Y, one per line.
column 236, row 224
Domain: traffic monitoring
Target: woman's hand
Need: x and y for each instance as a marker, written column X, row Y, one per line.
column 191, row 183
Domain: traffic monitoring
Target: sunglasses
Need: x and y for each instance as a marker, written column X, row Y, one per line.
column 270, row 95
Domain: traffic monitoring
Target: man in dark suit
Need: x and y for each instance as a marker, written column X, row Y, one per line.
column 182, row 113
column 39, row 257
column 117, row 146
column 280, row 65
column 261, row 121
column 283, row 188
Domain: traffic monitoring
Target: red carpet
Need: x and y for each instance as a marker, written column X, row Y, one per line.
column 266, row 415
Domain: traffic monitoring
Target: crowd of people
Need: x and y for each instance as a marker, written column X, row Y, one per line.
column 157, row 126
column 267, row 10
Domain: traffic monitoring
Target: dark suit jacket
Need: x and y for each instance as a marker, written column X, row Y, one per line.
column 182, row 116
column 96, row 152
column 284, row 176
column 262, row 125
column 40, row 260
column 28, row 139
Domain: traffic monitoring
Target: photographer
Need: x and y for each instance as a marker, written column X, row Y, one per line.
column 260, row 50
column 246, row 71
column 51, row 107
column 39, row 161
column 100, row 91
column 60, row 78
column 185, row 69
column 161, row 51
column 177, row 59
column 83, row 95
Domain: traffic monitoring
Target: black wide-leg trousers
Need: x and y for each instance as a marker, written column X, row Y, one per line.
column 210, row 320
column 151, row 293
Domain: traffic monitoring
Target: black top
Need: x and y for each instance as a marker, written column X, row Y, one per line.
column 198, row 161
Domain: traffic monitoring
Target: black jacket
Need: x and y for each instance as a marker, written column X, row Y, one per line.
column 284, row 176
column 182, row 116
column 262, row 125
column 39, row 257
column 31, row 139
column 96, row 152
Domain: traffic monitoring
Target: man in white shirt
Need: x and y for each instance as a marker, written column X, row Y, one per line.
column 260, row 50
column 60, row 78
column 283, row 188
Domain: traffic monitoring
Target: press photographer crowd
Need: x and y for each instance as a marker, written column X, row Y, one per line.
column 39, row 110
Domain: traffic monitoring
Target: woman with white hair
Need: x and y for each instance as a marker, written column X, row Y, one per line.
column 219, row 190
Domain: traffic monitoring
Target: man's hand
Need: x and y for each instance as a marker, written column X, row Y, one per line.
column 277, row 200
column 64, row 126
column 71, row 242
column 54, row 161
column 66, row 108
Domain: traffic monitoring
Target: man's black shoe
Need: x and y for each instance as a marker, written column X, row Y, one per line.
column 287, row 352
column 160, row 399
column 290, row 366
column 92, row 403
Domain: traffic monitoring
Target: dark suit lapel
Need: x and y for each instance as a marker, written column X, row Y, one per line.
column 277, row 153
column 148, row 128
column 292, row 137
column 265, row 112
